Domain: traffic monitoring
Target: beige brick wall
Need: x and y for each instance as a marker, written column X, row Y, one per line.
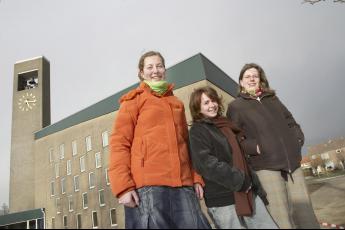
column 45, row 173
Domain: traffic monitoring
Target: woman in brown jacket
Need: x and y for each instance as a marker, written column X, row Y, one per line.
column 273, row 145
column 150, row 169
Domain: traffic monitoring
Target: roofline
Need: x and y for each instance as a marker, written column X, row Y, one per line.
column 31, row 59
column 18, row 217
column 205, row 70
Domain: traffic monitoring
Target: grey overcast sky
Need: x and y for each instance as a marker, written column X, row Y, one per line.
column 94, row 46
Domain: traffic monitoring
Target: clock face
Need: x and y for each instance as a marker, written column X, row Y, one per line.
column 27, row 102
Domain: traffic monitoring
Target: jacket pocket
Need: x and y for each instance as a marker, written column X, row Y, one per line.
column 249, row 147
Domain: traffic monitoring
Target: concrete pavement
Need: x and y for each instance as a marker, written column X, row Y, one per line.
column 328, row 198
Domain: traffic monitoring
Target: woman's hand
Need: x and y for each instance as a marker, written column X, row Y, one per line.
column 129, row 199
column 250, row 187
column 199, row 190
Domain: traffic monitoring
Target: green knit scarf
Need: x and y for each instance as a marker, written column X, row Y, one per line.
column 159, row 87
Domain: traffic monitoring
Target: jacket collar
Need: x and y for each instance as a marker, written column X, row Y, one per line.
column 143, row 86
column 207, row 121
column 213, row 121
column 248, row 97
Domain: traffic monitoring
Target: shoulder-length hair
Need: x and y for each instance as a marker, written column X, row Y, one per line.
column 265, row 86
column 195, row 102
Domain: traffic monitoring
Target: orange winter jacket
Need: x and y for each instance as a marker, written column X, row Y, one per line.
column 149, row 143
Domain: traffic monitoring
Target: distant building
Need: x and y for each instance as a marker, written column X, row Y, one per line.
column 327, row 156
column 306, row 166
column 61, row 169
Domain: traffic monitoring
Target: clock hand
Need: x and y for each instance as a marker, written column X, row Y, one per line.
column 31, row 101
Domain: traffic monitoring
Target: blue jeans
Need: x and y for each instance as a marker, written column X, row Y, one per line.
column 164, row 208
column 226, row 217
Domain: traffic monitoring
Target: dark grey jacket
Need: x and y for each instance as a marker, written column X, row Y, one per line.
column 212, row 158
column 269, row 124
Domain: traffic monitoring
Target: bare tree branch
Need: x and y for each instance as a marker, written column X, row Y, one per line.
column 312, row 2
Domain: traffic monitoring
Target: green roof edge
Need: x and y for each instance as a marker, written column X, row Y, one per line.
column 217, row 76
column 19, row 217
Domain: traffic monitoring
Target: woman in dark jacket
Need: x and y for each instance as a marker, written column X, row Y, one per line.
column 230, row 186
column 273, row 145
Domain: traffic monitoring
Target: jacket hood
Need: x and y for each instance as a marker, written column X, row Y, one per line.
column 142, row 88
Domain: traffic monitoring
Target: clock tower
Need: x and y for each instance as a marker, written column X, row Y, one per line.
column 30, row 113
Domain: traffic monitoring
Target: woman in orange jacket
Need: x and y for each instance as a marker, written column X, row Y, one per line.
column 150, row 168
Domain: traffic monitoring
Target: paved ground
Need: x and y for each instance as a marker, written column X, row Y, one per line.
column 328, row 197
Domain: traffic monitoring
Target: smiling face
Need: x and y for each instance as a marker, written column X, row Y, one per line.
column 153, row 69
column 208, row 108
column 251, row 80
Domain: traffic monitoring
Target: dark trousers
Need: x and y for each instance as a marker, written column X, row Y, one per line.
column 165, row 208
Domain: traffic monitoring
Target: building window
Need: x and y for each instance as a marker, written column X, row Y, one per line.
column 53, row 223
column 69, row 167
column 88, row 144
column 57, row 171
column 82, row 164
column 64, row 221
column 74, row 148
column 85, row 201
column 28, row 80
column 58, row 205
column 98, row 160
column 51, row 155
column 76, row 183
column 52, row 188
column 113, row 220
column 63, row 185
column 70, row 203
column 101, row 198
column 94, row 219
column 91, row 180
column 105, row 139
column 107, row 176
column 62, row 151
column 79, row 223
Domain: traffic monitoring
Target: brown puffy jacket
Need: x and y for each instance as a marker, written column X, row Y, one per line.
column 149, row 143
column 269, row 124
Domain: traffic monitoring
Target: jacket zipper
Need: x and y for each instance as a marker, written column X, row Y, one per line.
column 144, row 149
column 281, row 141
